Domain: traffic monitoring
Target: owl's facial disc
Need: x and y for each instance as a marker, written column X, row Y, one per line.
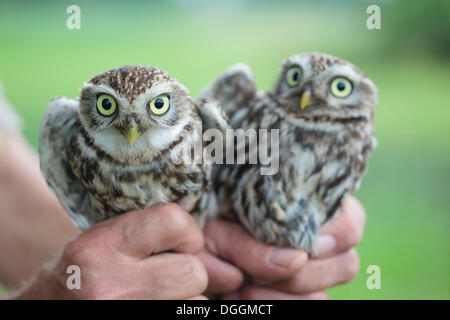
column 107, row 107
column 304, row 95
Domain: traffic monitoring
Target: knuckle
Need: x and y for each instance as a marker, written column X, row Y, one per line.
column 351, row 265
column 85, row 249
column 359, row 212
column 354, row 237
column 75, row 251
column 177, row 219
column 354, row 232
column 229, row 285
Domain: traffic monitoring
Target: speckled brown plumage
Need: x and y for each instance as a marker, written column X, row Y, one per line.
column 132, row 80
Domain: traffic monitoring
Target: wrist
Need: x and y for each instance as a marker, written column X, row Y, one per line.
column 45, row 286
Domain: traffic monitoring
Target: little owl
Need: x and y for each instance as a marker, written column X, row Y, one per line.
column 111, row 150
column 324, row 110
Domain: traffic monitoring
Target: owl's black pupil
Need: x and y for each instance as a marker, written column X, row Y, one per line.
column 159, row 103
column 106, row 104
column 295, row 76
column 341, row 86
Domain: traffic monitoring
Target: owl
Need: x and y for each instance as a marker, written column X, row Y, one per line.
column 324, row 109
column 115, row 148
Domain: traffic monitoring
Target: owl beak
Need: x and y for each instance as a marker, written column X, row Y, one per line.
column 305, row 99
column 132, row 132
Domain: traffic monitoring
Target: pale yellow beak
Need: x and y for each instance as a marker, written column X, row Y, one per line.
column 305, row 100
column 132, row 132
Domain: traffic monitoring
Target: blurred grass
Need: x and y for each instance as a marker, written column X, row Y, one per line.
column 407, row 188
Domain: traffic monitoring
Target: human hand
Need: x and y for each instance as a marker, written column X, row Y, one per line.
column 283, row 273
column 145, row 254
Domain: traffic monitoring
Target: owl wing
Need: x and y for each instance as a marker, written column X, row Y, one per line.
column 57, row 129
column 233, row 89
column 212, row 117
column 211, row 114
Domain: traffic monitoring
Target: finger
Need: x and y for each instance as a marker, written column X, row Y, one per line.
column 172, row 276
column 320, row 274
column 263, row 293
column 159, row 228
column 198, row 298
column 232, row 243
column 222, row 277
column 343, row 232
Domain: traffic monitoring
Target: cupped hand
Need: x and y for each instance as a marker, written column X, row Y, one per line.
column 282, row 273
column 147, row 254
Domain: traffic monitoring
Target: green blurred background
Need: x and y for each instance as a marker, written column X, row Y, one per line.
column 406, row 192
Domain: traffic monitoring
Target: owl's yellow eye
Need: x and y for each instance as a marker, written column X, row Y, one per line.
column 159, row 105
column 341, row 87
column 106, row 105
column 293, row 76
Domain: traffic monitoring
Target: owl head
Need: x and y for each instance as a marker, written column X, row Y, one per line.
column 316, row 84
column 133, row 109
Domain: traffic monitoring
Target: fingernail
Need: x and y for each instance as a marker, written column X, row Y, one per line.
column 283, row 257
column 326, row 244
column 211, row 246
